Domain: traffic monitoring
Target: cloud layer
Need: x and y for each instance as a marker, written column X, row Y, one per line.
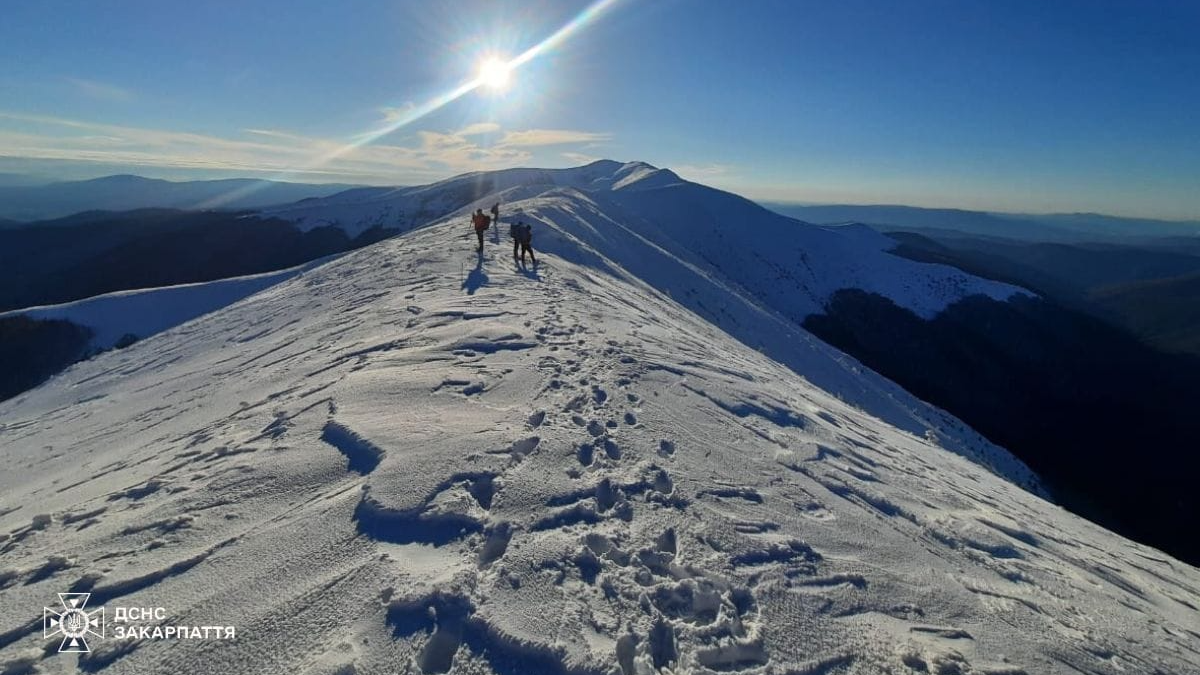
column 424, row 155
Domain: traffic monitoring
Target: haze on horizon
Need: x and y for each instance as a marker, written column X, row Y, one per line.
column 1021, row 106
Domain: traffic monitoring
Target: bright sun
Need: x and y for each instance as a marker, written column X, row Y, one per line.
column 494, row 73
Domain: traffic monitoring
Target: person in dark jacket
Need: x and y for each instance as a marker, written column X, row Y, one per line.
column 525, row 239
column 515, row 229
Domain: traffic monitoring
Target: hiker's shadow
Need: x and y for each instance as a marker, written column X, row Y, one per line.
column 529, row 271
column 476, row 277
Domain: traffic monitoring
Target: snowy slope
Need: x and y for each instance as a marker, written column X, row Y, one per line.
column 791, row 266
column 145, row 312
column 751, row 272
column 398, row 463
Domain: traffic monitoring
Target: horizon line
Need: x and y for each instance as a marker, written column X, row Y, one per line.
column 350, row 184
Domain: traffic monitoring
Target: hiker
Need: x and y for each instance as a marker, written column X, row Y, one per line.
column 496, row 213
column 481, row 222
column 525, row 239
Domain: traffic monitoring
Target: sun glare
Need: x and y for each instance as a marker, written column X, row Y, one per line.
column 495, row 73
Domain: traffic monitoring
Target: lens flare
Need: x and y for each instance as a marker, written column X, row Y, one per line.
column 588, row 15
column 495, row 73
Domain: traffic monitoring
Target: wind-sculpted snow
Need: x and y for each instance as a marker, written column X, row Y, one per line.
column 560, row 471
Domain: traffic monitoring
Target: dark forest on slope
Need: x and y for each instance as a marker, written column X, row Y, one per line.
column 93, row 253
column 1108, row 422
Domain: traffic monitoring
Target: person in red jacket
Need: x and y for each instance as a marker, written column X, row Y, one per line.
column 481, row 222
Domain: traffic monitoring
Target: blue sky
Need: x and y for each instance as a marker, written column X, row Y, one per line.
column 1068, row 105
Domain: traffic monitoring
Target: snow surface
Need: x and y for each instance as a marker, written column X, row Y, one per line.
column 145, row 312
column 415, row 460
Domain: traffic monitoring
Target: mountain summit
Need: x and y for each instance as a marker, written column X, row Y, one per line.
column 626, row 460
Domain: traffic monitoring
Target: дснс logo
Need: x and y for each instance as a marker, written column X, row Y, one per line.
column 74, row 623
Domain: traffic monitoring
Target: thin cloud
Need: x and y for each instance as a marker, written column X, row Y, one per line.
column 539, row 137
column 394, row 113
column 580, row 158
column 275, row 133
column 431, row 154
column 100, row 90
column 433, row 141
column 478, row 129
column 699, row 171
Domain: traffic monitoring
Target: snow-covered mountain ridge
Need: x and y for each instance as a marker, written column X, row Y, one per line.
column 635, row 213
column 422, row 461
column 359, row 209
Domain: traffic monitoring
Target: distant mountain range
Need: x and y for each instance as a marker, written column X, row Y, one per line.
column 22, row 202
column 125, row 192
column 1151, row 291
column 1060, row 227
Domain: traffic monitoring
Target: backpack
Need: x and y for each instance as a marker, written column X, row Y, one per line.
column 514, row 231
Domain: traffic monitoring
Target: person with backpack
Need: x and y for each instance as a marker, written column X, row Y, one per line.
column 525, row 239
column 496, row 213
column 481, row 222
column 514, row 232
